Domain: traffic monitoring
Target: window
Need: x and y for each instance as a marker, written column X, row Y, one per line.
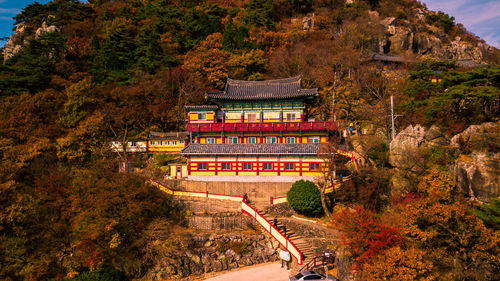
column 133, row 143
column 313, row 139
column 252, row 140
column 252, row 117
column 268, row 166
column 314, row 166
column 210, row 140
column 271, row 140
column 174, row 142
column 290, row 139
column 202, row 116
column 182, row 141
column 289, row 166
column 159, row 142
column 313, row 277
column 167, row 142
column 226, row 166
column 247, row 166
column 202, row 166
column 232, row 139
column 152, row 142
column 290, row 117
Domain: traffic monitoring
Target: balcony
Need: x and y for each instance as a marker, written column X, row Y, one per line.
column 264, row 127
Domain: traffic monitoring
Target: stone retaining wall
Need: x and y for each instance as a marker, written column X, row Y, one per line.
column 256, row 191
column 202, row 253
column 228, row 221
column 206, row 205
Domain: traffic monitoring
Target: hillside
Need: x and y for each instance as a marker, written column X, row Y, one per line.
column 77, row 75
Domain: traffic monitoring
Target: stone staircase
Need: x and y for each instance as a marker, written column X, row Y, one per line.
column 299, row 241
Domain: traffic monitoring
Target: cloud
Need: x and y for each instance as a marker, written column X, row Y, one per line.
column 481, row 17
column 14, row 11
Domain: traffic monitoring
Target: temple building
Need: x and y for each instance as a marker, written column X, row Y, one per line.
column 255, row 131
column 166, row 142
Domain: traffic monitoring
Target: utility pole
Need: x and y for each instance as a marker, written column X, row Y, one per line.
column 392, row 116
column 333, row 97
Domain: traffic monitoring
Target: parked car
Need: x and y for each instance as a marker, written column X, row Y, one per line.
column 312, row 275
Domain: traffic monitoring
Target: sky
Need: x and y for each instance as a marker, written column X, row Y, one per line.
column 481, row 17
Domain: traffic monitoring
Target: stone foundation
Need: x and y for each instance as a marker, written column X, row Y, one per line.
column 287, row 179
column 256, row 191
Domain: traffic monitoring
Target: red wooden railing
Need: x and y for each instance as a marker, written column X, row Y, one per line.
column 254, row 127
column 284, row 241
column 318, row 261
column 245, row 208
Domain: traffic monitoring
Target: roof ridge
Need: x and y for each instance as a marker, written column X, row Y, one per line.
column 230, row 81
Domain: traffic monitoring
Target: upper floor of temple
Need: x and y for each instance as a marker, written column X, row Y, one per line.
column 271, row 105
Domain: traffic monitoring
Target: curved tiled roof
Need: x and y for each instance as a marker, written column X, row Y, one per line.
column 168, row 135
column 286, row 88
column 201, row 107
column 252, row 149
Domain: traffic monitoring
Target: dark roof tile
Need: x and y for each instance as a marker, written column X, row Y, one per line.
column 286, row 88
column 168, row 135
column 201, row 107
column 252, row 149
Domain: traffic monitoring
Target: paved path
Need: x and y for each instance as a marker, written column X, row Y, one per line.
column 268, row 272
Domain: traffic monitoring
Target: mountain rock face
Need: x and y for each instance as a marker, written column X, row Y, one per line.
column 477, row 173
column 407, row 154
column 22, row 36
column 16, row 42
column 420, row 38
column 413, row 137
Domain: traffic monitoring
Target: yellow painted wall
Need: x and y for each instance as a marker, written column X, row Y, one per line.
column 268, row 173
column 297, row 115
column 173, row 170
column 202, row 173
column 311, row 174
column 270, row 120
column 226, row 173
column 292, row 174
column 164, row 147
column 247, row 173
column 193, row 117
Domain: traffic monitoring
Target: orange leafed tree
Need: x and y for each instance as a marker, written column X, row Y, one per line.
column 363, row 234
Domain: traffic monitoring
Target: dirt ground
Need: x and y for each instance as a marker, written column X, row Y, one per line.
column 266, row 272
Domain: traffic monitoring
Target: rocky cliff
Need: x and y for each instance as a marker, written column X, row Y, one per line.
column 476, row 168
column 415, row 35
column 23, row 35
column 195, row 254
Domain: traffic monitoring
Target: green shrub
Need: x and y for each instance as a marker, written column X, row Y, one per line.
column 489, row 213
column 106, row 274
column 304, row 198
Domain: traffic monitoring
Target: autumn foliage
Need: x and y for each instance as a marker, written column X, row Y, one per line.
column 363, row 234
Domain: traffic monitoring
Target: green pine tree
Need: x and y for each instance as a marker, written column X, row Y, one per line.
column 489, row 213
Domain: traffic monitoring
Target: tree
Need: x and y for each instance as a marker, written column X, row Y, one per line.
column 457, row 242
column 304, row 198
column 198, row 24
column 331, row 161
column 209, row 62
column 364, row 235
column 260, row 13
column 489, row 213
column 115, row 54
column 368, row 187
column 398, row 263
column 31, row 69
